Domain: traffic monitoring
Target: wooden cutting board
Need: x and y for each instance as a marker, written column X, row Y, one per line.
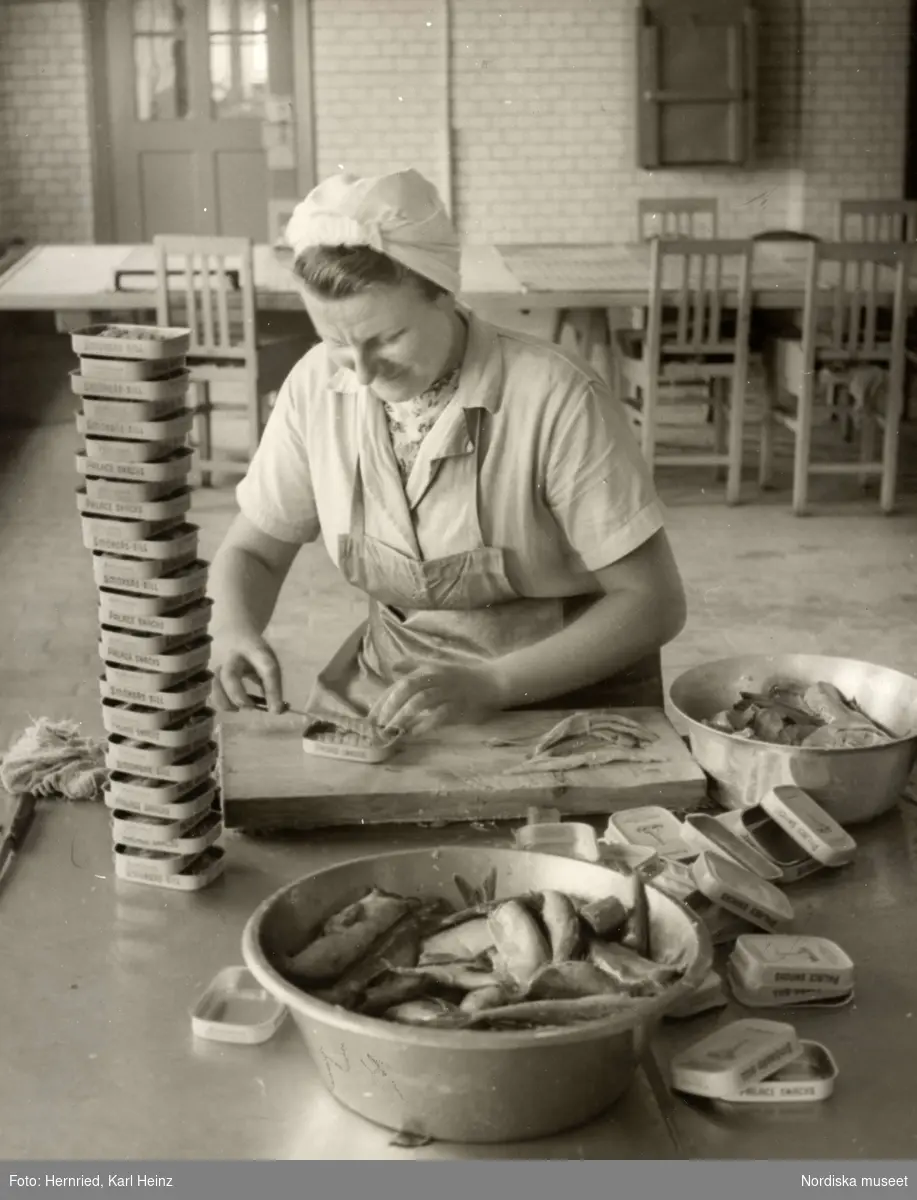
column 452, row 774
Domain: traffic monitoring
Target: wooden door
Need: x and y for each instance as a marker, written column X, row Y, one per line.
column 192, row 85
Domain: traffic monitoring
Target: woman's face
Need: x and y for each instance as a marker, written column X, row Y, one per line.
column 395, row 340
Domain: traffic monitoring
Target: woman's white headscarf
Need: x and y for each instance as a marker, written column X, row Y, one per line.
column 400, row 215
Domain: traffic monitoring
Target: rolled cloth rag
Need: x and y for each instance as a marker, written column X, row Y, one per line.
column 52, row 758
column 400, row 215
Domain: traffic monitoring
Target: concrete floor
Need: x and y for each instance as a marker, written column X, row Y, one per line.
column 842, row 581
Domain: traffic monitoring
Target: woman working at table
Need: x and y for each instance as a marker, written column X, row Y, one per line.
column 481, row 487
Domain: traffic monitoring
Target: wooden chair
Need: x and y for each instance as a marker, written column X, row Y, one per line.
column 706, row 283
column 593, row 329
column 674, row 217
column 884, row 221
column 877, row 221
column 213, row 294
column 846, row 330
column 677, row 218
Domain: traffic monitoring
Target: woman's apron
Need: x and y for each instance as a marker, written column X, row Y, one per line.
column 458, row 609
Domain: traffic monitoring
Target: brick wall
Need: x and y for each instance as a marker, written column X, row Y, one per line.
column 543, row 112
column 379, row 86
column 853, row 104
column 45, row 178
column 543, row 96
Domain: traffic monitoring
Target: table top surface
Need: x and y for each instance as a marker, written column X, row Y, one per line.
column 99, row 977
column 83, row 277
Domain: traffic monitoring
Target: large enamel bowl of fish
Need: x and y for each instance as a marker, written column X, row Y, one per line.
column 475, row 995
column 843, row 730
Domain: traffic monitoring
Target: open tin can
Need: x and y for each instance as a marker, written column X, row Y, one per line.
column 734, row 1057
column 175, row 622
column 133, row 677
column 786, row 997
column 192, row 804
column 125, row 608
column 124, row 340
column 103, row 369
column 157, row 727
column 183, row 837
column 236, row 1008
column 101, row 489
column 191, row 766
column 147, row 867
column 792, row 960
column 169, row 508
column 171, row 468
column 189, row 693
column 130, row 451
column 178, row 577
column 165, row 542
column 164, row 389
column 165, row 432
column 183, row 657
column 127, row 754
column 808, row 1078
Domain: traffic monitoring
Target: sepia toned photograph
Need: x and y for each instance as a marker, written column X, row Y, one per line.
column 458, row 581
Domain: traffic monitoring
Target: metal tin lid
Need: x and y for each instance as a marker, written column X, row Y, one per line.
column 808, row 824
column 709, row 833
column 792, row 960
column 572, row 839
column 742, row 892
column 236, row 1008
column 650, row 826
column 809, row 1077
column 734, row 1057
column 785, row 997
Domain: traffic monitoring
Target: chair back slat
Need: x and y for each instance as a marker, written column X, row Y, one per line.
column 217, row 299
column 856, row 301
column 877, row 221
column 703, row 280
column 190, row 311
column 223, row 316
column 716, row 308
column 677, row 218
column 207, row 314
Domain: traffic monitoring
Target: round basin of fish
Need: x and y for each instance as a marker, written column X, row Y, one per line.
column 468, row 1085
column 853, row 785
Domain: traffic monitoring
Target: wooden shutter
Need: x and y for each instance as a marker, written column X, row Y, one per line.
column 696, row 83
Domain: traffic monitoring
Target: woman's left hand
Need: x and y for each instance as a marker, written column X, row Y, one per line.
column 433, row 696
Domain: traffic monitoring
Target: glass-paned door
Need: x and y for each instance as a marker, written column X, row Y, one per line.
column 190, row 83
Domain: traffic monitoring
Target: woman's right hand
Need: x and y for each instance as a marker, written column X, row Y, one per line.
column 238, row 656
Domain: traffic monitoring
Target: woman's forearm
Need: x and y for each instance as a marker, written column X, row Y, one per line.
column 245, row 591
column 615, row 632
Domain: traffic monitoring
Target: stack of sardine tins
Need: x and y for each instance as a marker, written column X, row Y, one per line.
column 154, row 613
